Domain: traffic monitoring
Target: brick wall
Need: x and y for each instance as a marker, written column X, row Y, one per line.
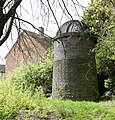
column 29, row 47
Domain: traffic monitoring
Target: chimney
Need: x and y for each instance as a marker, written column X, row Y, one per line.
column 41, row 31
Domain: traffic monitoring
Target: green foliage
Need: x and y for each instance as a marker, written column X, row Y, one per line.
column 20, row 88
column 17, row 98
column 15, row 103
column 110, row 86
column 100, row 18
column 32, row 76
column 12, row 100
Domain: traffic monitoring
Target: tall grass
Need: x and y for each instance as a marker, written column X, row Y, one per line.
column 21, row 96
column 13, row 100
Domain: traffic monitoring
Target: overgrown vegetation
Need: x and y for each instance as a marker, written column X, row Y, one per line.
column 34, row 76
column 100, row 18
column 22, row 96
column 15, row 103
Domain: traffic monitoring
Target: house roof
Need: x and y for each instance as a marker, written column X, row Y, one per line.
column 33, row 35
column 2, row 68
column 37, row 36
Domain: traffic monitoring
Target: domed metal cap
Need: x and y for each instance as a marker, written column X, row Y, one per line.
column 72, row 26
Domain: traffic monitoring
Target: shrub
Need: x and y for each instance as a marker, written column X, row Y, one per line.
column 110, row 86
column 13, row 100
column 32, row 76
column 15, row 104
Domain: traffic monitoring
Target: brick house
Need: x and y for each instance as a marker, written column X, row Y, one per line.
column 29, row 47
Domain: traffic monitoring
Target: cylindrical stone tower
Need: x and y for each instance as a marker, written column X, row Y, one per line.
column 74, row 70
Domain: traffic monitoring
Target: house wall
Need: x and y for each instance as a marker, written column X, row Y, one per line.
column 27, row 48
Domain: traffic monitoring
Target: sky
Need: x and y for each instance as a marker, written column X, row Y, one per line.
column 36, row 14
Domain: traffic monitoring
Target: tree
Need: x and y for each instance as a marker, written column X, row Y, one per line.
column 7, row 16
column 100, row 19
column 47, row 9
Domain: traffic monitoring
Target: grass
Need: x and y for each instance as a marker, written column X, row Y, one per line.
column 15, row 103
column 20, row 98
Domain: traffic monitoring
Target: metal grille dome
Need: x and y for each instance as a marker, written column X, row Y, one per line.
column 72, row 26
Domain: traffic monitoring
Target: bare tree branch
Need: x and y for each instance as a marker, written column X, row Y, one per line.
column 31, row 25
column 5, row 17
column 13, row 9
column 67, row 10
column 53, row 13
column 44, row 13
column 3, row 39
